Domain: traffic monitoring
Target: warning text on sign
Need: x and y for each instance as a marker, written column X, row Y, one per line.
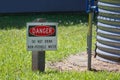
column 41, row 36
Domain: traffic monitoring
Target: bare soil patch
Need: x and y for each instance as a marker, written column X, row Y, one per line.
column 78, row 62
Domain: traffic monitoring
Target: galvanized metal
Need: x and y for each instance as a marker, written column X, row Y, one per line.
column 108, row 31
column 89, row 39
column 90, row 8
column 111, row 1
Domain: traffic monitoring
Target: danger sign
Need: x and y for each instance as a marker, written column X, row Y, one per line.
column 41, row 36
column 42, row 30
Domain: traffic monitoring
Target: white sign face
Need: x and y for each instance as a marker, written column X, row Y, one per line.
column 41, row 36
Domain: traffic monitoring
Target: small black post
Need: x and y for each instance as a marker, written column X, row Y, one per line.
column 38, row 61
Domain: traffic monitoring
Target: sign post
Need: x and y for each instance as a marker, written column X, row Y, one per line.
column 89, row 40
column 38, row 61
column 41, row 36
column 90, row 8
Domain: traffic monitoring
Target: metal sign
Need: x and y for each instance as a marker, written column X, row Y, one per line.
column 41, row 36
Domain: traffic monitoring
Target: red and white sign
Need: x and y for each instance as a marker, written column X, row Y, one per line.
column 41, row 36
column 42, row 30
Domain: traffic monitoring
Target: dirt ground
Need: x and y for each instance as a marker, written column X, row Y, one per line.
column 78, row 62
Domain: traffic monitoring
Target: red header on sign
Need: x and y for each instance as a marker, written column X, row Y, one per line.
column 42, row 30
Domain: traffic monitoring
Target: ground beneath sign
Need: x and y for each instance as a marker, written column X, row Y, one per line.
column 78, row 62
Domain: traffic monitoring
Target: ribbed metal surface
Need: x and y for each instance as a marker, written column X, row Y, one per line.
column 108, row 31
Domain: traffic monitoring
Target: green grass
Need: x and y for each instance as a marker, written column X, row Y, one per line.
column 15, row 60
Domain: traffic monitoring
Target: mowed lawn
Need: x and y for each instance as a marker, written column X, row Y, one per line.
column 15, row 60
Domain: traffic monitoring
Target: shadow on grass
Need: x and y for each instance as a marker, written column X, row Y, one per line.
column 95, row 70
column 9, row 21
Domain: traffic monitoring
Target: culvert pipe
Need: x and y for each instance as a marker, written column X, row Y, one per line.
column 108, row 31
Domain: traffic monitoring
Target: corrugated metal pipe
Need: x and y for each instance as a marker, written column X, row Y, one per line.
column 108, row 31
